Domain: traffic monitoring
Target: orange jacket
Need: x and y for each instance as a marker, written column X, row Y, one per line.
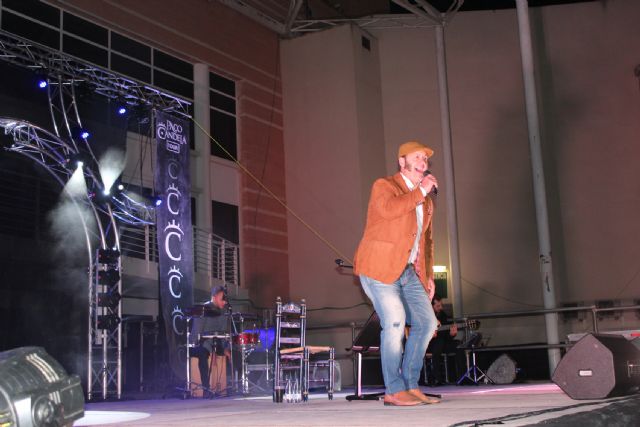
column 391, row 230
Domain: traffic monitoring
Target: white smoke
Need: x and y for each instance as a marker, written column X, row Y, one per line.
column 111, row 165
column 76, row 187
column 67, row 223
column 70, row 262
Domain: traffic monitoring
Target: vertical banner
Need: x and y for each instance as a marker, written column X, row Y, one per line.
column 175, row 233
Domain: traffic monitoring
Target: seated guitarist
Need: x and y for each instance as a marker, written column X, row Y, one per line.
column 443, row 342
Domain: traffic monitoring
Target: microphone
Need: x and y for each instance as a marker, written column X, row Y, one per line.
column 435, row 189
column 341, row 264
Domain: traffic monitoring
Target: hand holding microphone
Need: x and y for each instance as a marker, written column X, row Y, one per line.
column 429, row 183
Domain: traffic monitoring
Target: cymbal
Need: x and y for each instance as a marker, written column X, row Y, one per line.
column 202, row 311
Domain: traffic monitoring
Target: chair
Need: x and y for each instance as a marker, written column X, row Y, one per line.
column 366, row 342
column 292, row 352
column 427, row 367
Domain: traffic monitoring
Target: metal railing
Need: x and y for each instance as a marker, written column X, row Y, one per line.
column 212, row 255
column 593, row 309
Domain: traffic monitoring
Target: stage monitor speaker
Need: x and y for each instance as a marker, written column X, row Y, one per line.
column 502, row 370
column 319, row 375
column 599, row 366
column 36, row 391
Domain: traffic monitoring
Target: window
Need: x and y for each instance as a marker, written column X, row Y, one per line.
column 85, row 29
column 129, row 47
column 220, row 84
column 83, row 39
column 224, row 218
column 222, row 113
column 223, row 130
column 172, row 83
column 84, row 50
column 128, row 67
column 36, row 10
column 22, row 27
column 172, row 64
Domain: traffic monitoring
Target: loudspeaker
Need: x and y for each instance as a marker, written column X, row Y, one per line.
column 502, row 370
column 36, row 391
column 599, row 366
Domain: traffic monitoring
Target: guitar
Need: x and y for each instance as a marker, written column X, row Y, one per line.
column 471, row 324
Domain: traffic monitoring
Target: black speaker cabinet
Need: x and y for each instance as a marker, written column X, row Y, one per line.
column 599, row 366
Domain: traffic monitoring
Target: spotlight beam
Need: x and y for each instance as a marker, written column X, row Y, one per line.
column 53, row 153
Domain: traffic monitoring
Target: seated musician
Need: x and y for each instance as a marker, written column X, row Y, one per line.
column 214, row 321
column 443, row 342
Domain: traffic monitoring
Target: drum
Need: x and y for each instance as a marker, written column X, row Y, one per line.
column 246, row 338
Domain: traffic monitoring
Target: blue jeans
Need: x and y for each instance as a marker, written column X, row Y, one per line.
column 397, row 303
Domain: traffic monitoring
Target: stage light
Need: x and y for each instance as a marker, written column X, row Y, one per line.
column 108, row 256
column 108, row 277
column 42, row 80
column 109, row 299
column 122, row 110
column 113, row 188
column 76, row 161
column 35, row 390
column 118, row 188
column 100, row 196
column 78, row 132
column 157, row 201
column 108, row 321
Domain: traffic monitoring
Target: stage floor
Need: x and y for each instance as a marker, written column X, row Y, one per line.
column 512, row 405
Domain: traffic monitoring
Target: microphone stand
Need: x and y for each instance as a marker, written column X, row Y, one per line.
column 231, row 327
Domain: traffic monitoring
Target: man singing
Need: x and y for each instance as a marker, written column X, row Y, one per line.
column 395, row 264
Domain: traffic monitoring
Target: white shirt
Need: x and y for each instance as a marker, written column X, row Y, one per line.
column 419, row 217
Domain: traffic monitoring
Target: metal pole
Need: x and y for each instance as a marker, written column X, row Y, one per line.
column 542, row 218
column 203, row 144
column 141, row 364
column 354, row 360
column 450, row 189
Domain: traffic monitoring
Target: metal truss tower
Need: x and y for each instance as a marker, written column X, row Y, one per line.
column 59, row 152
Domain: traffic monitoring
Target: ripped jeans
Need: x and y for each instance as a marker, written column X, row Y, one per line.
column 397, row 303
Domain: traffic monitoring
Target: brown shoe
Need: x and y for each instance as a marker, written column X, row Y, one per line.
column 415, row 392
column 402, row 398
